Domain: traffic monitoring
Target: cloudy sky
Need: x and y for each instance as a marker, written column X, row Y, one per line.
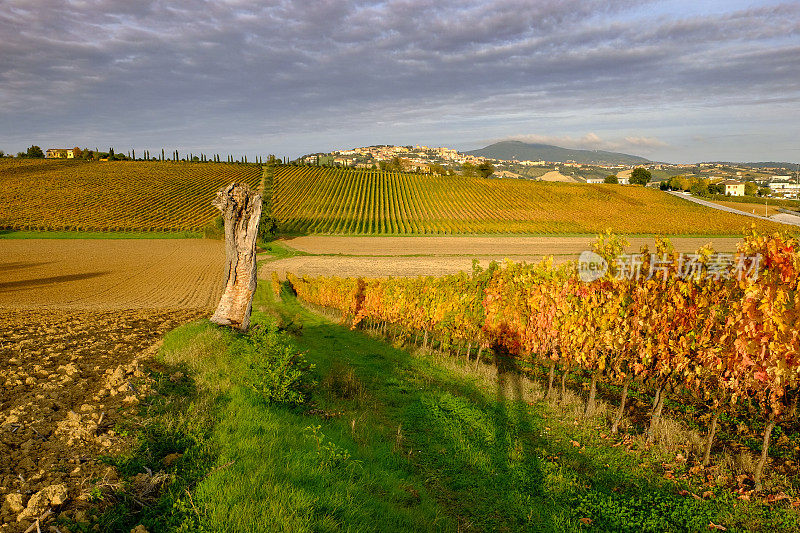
column 673, row 81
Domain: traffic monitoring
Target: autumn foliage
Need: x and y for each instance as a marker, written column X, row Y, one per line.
column 718, row 336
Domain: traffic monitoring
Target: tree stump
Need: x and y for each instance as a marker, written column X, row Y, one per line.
column 241, row 211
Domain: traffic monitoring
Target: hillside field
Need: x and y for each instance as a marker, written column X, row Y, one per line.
column 144, row 196
column 113, row 196
column 342, row 201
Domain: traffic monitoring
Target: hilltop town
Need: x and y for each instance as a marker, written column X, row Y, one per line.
column 778, row 180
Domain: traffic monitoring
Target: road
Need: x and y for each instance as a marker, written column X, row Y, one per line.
column 787, row 219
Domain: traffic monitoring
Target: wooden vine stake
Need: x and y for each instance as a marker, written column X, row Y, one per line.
column 241, row 210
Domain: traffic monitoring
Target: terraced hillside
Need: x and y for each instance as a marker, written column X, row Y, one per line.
column 344, row 201
column 113, row 196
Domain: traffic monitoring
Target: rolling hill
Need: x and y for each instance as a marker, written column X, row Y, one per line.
column 38, row 194
column 516, row 150
column 366, row 202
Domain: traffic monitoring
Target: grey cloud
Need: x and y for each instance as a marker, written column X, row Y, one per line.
column 203, row 69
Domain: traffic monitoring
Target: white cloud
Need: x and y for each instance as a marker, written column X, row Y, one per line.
column 592, row 141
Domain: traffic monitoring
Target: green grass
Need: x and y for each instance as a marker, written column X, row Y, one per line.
column 25, row 234
column 391, row 441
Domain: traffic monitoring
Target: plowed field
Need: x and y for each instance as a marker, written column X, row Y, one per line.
column 110, row 274
column 79, row 321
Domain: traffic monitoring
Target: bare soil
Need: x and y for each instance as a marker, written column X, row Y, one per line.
column 80, row 320
column 69, row 379
column 480, row 246
column 437, row 256
column 110, row 274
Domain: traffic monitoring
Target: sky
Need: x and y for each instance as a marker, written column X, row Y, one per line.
column 675, row 81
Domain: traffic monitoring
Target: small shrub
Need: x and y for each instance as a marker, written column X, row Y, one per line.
column 329, row 454
column 277, row 370
column 342, row 382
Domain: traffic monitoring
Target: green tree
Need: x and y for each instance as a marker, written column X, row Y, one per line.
column 763, row 191
column 640, row 176
column 750, row 188
column 699, row 188
column 437, row 169
column 485, row 169
column 611, row 178
column 34, row 152
column 468, row 170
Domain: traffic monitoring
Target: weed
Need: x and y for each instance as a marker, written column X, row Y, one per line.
column 278, row 372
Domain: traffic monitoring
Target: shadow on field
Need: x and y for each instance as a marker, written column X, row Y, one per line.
column 477, row 454
column 21, row 265
column 27, row 283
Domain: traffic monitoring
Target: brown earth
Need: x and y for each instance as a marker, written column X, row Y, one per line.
column 70, row 378
column 81, row 319
column 437, row 256
column 110, row 274
column 479, row 245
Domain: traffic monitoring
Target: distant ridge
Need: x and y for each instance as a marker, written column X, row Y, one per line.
column 546, row 152
column 762, row 164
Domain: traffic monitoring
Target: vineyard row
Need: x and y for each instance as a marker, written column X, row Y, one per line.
column 717, row 339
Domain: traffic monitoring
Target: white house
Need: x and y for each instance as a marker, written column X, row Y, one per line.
column 733, row 187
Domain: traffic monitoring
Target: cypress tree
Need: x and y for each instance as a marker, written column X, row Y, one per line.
column 162, row 154
column 134, row 154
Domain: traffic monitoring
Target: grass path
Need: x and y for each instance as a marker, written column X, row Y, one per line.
column 395, row 441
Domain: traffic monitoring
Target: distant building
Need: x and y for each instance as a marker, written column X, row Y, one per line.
column 733, row 187
column 785, row 189
column 595, row 180
column 60, row 153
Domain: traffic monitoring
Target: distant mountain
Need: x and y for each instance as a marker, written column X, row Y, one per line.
column 545, row 152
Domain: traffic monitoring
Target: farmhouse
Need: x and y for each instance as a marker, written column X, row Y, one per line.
column 733, row 187
column 60, row 153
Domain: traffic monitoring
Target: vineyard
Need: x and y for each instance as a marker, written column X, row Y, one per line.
column 716, row 338
column 345, row 201
column 113, row 196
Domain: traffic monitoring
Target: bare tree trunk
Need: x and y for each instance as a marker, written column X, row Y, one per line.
column 621, row 410
column 592, row 393
column 469, row 349
column 764, row 454
column 710, row 438
column 425, row 340
column 658, row 406
column 241, row 210
column 478, row 358
column 551, row 376
column 563, row 385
